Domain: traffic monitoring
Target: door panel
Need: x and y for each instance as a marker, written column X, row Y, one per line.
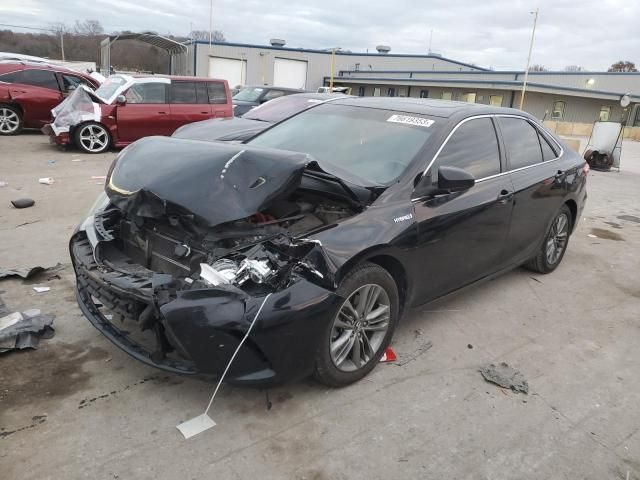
column 37, row 102
column 461, row 237
column 145, row 113
column 186, row 105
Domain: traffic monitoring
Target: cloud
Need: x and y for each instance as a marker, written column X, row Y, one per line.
column 589, row 33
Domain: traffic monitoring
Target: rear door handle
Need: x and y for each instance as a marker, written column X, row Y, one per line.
column 505, row 196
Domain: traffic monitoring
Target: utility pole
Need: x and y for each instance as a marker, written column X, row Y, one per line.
column 526, row 72
column 430, row 40
column 210, row 24
column 333, row 66
column 62, row 43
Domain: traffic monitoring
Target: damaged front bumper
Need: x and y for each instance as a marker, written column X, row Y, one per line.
column 194, row 329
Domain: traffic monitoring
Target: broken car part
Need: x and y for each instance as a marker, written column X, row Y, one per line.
column 23, row 202
column 505, row 376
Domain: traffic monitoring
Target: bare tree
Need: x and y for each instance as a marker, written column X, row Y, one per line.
column 90, row 28
column 203, row 35
column 538, row 68
column 573, row 68
column 623, row 66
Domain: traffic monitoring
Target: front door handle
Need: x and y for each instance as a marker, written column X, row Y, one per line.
column 505, row 196
column 162, row 113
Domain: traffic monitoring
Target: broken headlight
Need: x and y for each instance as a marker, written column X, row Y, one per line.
column 227, row 271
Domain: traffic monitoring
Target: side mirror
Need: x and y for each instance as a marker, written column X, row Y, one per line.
column 121, row 100
column 452, row 179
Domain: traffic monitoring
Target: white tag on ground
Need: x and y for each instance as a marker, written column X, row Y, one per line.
column 196, row 425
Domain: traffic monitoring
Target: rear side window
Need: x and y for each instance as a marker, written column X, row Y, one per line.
column 40, row 78
column 183, row 92
column 474, row 148
column 521, row 141
column 217, row 92
column 13, row 77
column 147, row 93
column 201, row 93
column 548, row 152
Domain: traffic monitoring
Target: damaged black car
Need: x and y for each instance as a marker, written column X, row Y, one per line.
column 323, row 230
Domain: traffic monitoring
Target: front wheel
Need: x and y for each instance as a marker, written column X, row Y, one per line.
column 554, row 245
column 92, row 137
column 358, row 334
column 10, row 120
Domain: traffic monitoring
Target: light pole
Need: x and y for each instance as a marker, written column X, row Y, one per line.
column 526, row 72
column 333, row 66
column 61, row 32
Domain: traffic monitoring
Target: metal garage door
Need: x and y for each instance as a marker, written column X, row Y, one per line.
column 229, row 69
column 289, row 73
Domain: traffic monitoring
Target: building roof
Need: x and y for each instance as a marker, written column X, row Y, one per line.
column 151, row 38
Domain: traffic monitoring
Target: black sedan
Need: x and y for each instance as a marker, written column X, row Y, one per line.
column 254, row 121
column 310, row 241
column 250, row 97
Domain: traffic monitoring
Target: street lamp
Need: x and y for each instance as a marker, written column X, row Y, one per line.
column 333, row 66
column 526, row 72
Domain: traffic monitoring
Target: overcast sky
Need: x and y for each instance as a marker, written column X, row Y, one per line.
column 491, row 33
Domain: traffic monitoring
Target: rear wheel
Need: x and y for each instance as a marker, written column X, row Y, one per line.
column 92, row 137
column 10, row 120
column 554, row 245
column 362, row 328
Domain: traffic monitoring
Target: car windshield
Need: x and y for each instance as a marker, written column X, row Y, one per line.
column 110, row 87
column 250, row 94
column 373, row 145
column 280, row 108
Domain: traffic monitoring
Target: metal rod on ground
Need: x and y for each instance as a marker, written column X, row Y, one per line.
column 526, row 72
column 204, row 422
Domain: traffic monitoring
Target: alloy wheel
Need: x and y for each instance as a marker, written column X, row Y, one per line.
column 557, row 240
column 94, row 138
column 360, row 327
column 9, row 120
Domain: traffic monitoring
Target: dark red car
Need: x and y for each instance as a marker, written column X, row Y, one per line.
column 126, row 108
column 29, row 90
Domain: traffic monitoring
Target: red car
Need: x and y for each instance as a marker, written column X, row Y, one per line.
column 29, row 90
column 126, row 108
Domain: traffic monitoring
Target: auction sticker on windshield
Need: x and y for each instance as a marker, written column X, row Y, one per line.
column 409, row 120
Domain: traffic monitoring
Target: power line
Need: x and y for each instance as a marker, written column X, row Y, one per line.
column 60, row 32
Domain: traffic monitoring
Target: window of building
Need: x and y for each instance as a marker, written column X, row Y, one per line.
column 636, row 121
column 183, row 92
column 361, row 91
column 495, row 100
column 521, row 141
column 605, row 113
column 474, row 148
column 40, row 78
column 391, row 92
column 469, row 97
column 447, row 95
column 424, row 93
column 558, row 110
column 217, row 93
column 147, row 93
column 357, row 67
column 376, row 92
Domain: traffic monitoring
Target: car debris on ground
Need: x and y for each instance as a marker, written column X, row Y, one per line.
column 505, row 376
column 46, row 181
column 19, row 330
column 28, row 272
column 23, row 203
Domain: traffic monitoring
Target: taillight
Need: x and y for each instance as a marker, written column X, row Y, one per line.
column 585, row 169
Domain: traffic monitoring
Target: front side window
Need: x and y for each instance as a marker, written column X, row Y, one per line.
column 558, row 110
column 71, row 82
column 217, row 92
column 40, row 78
column 183, row 92
column 13, row 77
column 370, row 146
column 147, row 93
column 473, row 147
column 521, row 141
column 605, row 114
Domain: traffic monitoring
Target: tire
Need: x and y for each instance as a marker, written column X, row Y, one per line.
column 92, row 137
column 543, row 262
column 366, row 334
column 10, row 120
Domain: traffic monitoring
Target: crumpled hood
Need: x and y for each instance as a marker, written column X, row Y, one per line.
column 81, row 106
column 216, row 182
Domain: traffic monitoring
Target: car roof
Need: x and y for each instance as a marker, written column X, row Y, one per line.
column 173, row 77
column 425, row 106
column 274, row 87
column 15, row 65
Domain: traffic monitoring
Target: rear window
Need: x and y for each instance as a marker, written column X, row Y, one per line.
column 183, row 92
column 521, row 141
column 40, row 78
column 280, row 108
column 217, row 92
